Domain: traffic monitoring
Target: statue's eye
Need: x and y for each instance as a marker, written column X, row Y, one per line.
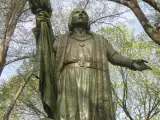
column 77, row 12
column 84, row 12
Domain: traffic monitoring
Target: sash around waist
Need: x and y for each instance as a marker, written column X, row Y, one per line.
column 81, row 64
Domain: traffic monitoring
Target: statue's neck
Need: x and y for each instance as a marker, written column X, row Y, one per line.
column 79, row 31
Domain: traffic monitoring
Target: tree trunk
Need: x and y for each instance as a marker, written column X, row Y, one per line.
column 11, row 19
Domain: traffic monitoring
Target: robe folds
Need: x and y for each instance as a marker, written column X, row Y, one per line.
column 84, row 93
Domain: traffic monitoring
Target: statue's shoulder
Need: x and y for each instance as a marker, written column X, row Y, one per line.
column 94, row 34
column 62, row 36
column 61, row 40
column 98, row 37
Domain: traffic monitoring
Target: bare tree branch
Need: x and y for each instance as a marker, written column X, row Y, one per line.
column 125, row 94
column 86, row 4
column 153, row 3
column 17, row 59
column 152, row 32
column 36, row 110
column 107, row 16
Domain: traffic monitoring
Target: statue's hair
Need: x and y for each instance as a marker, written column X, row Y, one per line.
column 70, row 25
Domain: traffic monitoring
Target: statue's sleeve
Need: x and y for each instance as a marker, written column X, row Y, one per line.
column 117, row 59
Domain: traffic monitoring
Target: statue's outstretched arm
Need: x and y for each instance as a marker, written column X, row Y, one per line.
column 117, row 59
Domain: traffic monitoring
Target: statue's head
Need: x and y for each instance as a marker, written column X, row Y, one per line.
column 78, row 17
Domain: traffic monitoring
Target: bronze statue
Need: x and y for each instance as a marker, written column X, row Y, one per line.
column 81, row 73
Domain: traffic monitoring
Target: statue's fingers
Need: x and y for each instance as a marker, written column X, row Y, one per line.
column 144, row 61
column 147, row 67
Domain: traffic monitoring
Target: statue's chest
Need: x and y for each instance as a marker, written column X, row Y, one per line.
column 80, row 49
column 81, row 43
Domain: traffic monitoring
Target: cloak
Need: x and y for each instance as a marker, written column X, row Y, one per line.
column 104, row 52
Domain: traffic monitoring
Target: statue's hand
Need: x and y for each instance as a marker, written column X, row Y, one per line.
column 41, row 16
column 140, row 65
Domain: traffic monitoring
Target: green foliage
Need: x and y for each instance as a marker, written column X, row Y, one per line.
column 29, row 103
column 138, row 90
column 7, row 91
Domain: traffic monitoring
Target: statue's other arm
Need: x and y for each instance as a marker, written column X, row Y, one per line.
column 116, row 59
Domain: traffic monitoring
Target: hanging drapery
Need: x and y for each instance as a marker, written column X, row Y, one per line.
column 44, row 60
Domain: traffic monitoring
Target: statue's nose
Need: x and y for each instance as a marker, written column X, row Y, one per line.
column 81, row 14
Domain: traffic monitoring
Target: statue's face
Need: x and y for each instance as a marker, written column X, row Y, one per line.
column 79, row 17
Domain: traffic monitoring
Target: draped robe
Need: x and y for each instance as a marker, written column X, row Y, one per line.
column 84, row 93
